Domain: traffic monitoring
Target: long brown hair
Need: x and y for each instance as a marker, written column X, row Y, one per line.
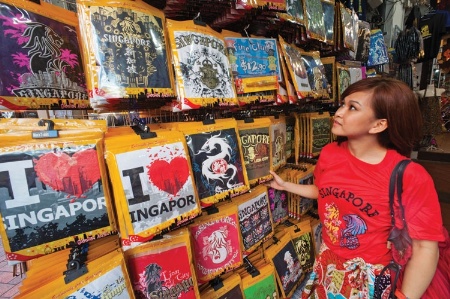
column 395, row 101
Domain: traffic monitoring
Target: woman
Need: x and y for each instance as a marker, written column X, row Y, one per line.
column 377, row 126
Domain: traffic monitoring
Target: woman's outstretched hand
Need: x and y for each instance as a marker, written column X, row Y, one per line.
column 277, row 182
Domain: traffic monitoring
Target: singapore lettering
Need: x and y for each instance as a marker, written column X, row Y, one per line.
column 49, row 214
column 251, row 210
column 123, row 39
column 197, row 39
column 254, row 139
column 25, row 196
column 350, row 197
column 174, row 292
column 138, row 197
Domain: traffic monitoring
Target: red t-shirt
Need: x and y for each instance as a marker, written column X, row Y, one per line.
column 354, row 203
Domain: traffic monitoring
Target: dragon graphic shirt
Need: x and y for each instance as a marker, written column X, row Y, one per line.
column 216, row 160
column 354, row 203
column 40, row 59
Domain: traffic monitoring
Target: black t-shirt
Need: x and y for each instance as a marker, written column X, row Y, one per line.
column 432, row 27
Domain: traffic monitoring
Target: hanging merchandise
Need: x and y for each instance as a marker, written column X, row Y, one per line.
column 319, row 131
column 296, row 67
column 261, row 286
column 330, row 74
column 301, row 174
column 282, row 255
column 151, row 180
column 217, row 159
column 350, row 26
column 41, row 65
column 378, row 51
column 302, row 238
column 315, row 25
column 278, row 201
column 432, row 28
column 94, row 270
column 125, row 53
column 362, row 50
column 343, row 78
column 295, row 10
column 202, row 69
column 316, row 73
column 255, row 141
column 163, row 268
column 286, row 90
column 290, row 139
column 278, row 142
column 408, row 45
column 254, row 218
column 55, row 188
column 232, row 288
column 328, row 18
column 217, row 243
column 254, row 63
column 356, row 74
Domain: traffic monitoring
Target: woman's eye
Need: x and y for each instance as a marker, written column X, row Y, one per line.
column 352, row 107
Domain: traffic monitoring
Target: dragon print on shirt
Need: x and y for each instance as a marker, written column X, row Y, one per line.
column 348, row 236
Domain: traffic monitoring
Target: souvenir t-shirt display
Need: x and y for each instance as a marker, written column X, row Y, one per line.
column 316, row 73
column 55, row 189
column 303, row 241
column 216, row 243
column 163, row 268
column 152, row 183
column 284, row 258
column 254, row 63
column 254, row 217
column 216, row 157
column 88, row 270
column 278, row 141
column 41, row 63
column 125, row 52
column 315, row 26
column 262, row 286
column 202, row 69
column 355, row 211
column 255, row 141
column 296, row 67
column 278, row 202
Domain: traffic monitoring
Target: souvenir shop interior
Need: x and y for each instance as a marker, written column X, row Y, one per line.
column 137, row 136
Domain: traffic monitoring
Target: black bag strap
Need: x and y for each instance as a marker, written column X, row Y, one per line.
column 396, row 182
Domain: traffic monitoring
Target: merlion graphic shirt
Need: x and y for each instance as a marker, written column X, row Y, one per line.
column 354, row 208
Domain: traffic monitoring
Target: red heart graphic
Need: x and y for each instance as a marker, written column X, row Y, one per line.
column 169, row 177
column 74, row 174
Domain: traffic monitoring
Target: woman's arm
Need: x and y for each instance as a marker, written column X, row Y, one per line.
column 420, row 268
column 307, row 191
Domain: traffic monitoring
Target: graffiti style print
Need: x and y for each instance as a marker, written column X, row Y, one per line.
column 44, row 59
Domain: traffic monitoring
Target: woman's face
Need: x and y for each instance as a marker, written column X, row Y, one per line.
column 355, row 117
